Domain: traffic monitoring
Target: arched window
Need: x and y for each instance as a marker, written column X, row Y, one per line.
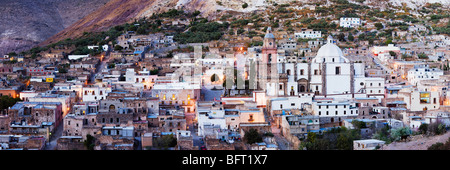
column 112, row 108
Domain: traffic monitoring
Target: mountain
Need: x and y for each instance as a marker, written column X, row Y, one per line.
column 26, row 23
column 117, row 12
column 51, row 18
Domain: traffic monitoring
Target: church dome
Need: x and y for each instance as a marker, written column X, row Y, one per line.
column 330, row 53
column 269, row 33
column 329, row 50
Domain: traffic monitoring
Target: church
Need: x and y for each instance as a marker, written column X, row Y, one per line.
column 329, row 74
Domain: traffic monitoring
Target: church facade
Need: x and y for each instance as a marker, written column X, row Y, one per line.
column 329, row 74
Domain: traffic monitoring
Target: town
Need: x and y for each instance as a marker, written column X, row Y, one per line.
column 328, row 75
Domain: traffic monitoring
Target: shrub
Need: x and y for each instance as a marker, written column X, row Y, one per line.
column 245, row 5
column 252, row 136
column 423, row 128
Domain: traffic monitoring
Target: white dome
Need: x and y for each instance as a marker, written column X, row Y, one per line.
column 329, row 50
column 330, row 53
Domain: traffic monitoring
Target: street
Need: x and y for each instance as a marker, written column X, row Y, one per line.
column 54, row 138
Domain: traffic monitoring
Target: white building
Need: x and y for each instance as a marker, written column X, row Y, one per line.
column 76, row 57
column 368, row 144
column 334, row 108
column 210, row 115
column 382, row 52
column 423, row 73
column 95, row 93
column 143, row 78
column 420, row 100
column 308, row 33
column 24, row 95
column 288, row 103
column 349, row 22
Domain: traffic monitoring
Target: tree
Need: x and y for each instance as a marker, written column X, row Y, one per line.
column 436, row 146
column 118, row 48
column 89, row 142
column 196, row 13
column 141, row 30
column 245, row 5
column 436, row 128
column 392, row 53
column 358, row 124
column 341, row 37
column 422, row 56
column 378, row 25
column 112, row 65
column 423, row 128
column 351, row 37
column 252, row 136
column 7, row 101
column 400, row 133
column 166, row 141
column 154, row 72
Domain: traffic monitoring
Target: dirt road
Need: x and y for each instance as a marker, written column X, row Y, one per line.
column 418, row 143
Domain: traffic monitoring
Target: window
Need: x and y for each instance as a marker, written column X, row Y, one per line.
column 424, row 98
column 281, row 87
column 338, row 70
column 320, row 113
column 302, row 72
column 281, row 106
column 316, row 72
column 292, row 104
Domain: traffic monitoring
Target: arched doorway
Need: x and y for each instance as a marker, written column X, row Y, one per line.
column 302, row 88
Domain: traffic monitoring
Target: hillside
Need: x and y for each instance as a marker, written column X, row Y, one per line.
column 25, row 23
column 117, row 12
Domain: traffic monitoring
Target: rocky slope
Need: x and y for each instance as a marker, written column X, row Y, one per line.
column 116, row 12
column 25, row 23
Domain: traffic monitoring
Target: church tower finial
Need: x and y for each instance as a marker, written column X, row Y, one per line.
column 330, row 39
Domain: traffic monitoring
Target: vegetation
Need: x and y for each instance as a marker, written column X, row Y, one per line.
column 383, row 134
column 7, row 101
column 440, row 146
column 89, row 142
column 379, row 25
column 422, row 56
column 202, row 31
column 245, row 5
column 436, row 128
column 252, row 136
column 339, row 138
column 165, row 142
